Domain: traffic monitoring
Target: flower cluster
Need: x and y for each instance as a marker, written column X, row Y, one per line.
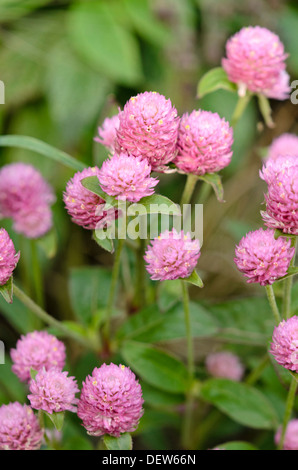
column 284, row 346
column 172, row 255
column 256, row 61
column 8, row 257
column 26, row 197
column 225, row 364
column 111, row 401
column 283, row 146
column 107, row 132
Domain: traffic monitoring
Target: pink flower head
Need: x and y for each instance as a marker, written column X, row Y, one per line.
column 86, row 208
column 107, row 132
column 37, row 350
column 8, row 257
column 111, row 401
column 19, row 428
column 281, row 175
column 226, row 365
column 283, row 146
column 126, row 177
column 256, row 61
column 291, row 436
column 284, row 346
column 148, row 129
column 172, row 255
column 262, row 258
column 53, row 391
column 26, row 197
column 204, row 143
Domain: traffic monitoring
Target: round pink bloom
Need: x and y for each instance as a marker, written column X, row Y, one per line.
column 107, row 132
column 37, row 350
column 8, row 257
column 284, row 346
column 148, row 129
column 53, row 391
column 281, row 175
column 86, row 208
column 291, row 436
column 262, row 258
column 283, row 146
column 126, row 178
column 226, row 365
column 19, row 428
column 111, row 401
column 172, row 255
column 256, row 61
column 26, row 197
column 204, row 143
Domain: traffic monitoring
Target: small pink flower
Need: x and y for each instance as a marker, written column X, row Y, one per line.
column 291, row 436
column 281, row 175
column 262, row 258
column 26, row 197
column 126, row 178
column 283, row 146
column 107, row 132
column 284, row 346
column 204, row 143
column 8, row 257
column 111, row 401
column 53, row 391
column 256, row 61
column 37, row 350
column 148, row 129
column 172, row 255
column 19, row 428
column 225, row 365
column 86, row 208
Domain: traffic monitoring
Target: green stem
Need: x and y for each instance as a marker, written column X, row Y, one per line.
column 253, row 377
column 188, row 189
column 37, row 275
column 240, row 108
column 140, row 294
column 51, row 321
column 273, row 304
column 287, row 294
column 187, row 425
column 289, row 408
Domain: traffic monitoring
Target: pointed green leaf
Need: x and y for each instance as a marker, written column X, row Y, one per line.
column 33, row 373
column 124, row 442
column 195, row 279
column 101, row 237
column 7, row 291
column 213, row 80
column 215, row 181
column 236, row 445
column 57, row 419
column 92, row 184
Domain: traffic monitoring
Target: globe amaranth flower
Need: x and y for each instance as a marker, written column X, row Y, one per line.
column 8, row 257
column 281, row 175
column 291, row 436
column 148, row 129
column 283, row 146
column 53, row 391
column 262, row 258
column 126, row 177
column 19, row 428
column 204, row 143
column 284, row 346
column 26, row 197
column 86, row 208
column 107, row 132
column 256, row 61
column 111, row 401
column 37, row 350
column 226, row 365
column 172, row 255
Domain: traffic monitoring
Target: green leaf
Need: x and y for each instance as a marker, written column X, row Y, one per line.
column 244, row 404
column 48, row 243
column 92, row 184
column 10, row 10
column 102, row 41
column 213, row 80
column 30, row 143
column 156, row 367
column 124, row 442
column 266, row 110
column 101, row 237
column 279, row 233
column 159, row 398
column 33, row 373
column 236, row 445
column 195, row 279
column 57, row 419
column 155, row 204
column 292, row 271
column 215, row 181
column 7, row 291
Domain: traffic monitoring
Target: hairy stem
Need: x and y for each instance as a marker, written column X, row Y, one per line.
column 240, row 108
